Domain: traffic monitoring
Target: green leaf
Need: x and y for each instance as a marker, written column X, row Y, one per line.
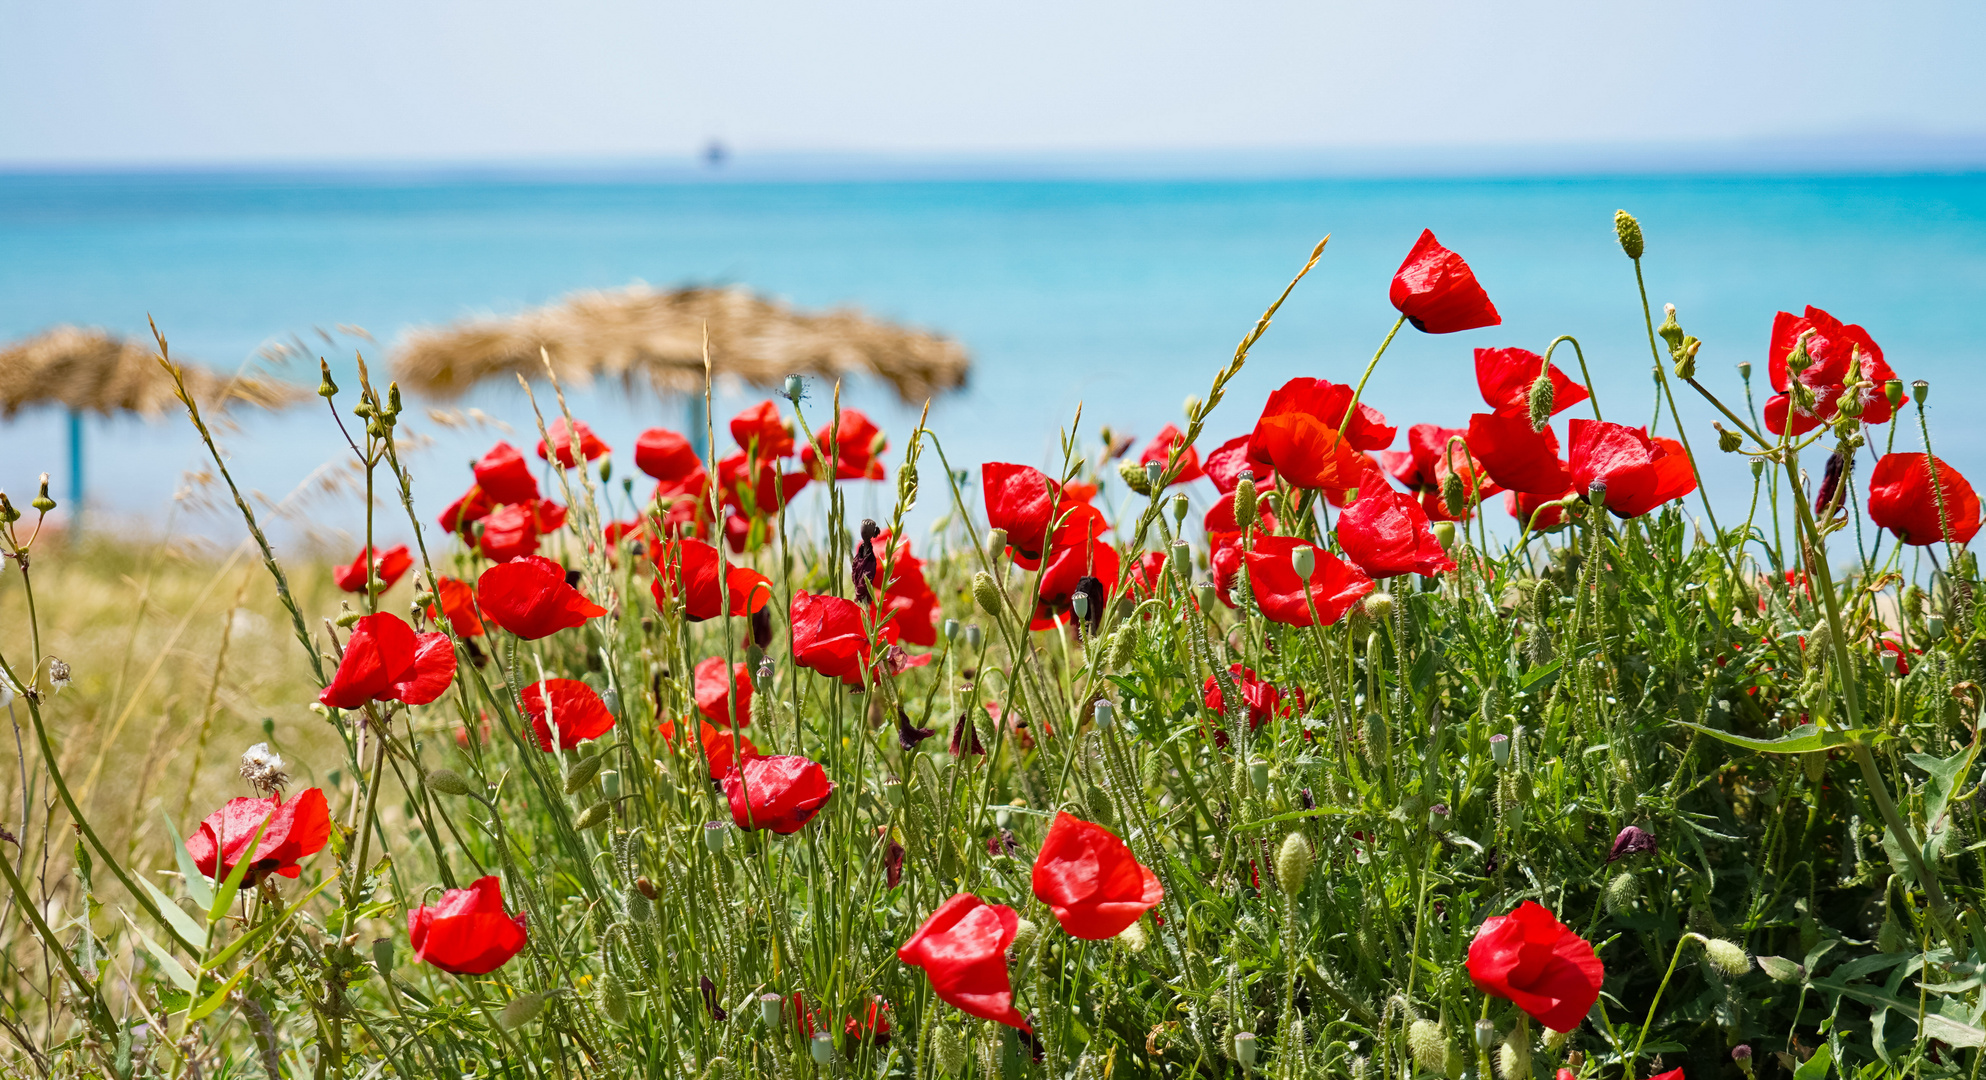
column 192, row 933
column 1935, row 1026
column 1947, row 775
column 174, row 970
column 196, row 882
column 233, row 884
column 243, row 941
column 1805, row 739
column 1815, row 1068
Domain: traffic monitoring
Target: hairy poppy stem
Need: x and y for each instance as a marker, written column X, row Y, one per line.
column 1359, row 390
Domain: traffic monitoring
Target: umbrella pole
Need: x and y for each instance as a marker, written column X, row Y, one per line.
column 75, row 472
column 698, row 425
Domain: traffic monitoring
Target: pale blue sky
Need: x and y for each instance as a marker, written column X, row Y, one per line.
column 224, row 81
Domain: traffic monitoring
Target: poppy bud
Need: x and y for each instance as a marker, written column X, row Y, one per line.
column 987, row 593
column 1293, row 862
column 1919, row 390
column 1629, row 231
column 1105, row 714
column 1379, row 606
column 1179, row 508
column 996, row 543
column 1154, row 472
column 448, row 782
column 716, row 834
column 1244, row 1048
column 1621, row 893
column 1727, row 440
column 613, row 998
column 1513, row 1058
column 582, row 773
column 382, row 954
column 1727, row 956
column 1304, row 561
column 1541, row 401
column 646, row 888
column 592, row 817
column 1453, row 496
column 1244, row 502
column 607, row 469
column 949, row 1048
column 1133, row 475
column 1025, row 933
column 1444, row 532
column 41, row 501
column 1258, row 775
column 1428, row 1044
column 1500, row 749
column 521, row 1010
column 974, row 635
column 1485, row 1034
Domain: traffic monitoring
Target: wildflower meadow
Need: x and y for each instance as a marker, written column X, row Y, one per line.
column 1320, row 743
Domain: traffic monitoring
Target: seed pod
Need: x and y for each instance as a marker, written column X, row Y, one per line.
column 1244, row 503
column 1104, row 713
column 1513, row 1058
column 771, row 1009
column 582, row 773
column 948, row 1047
column 1304, row 561
column 821, row 1046
column 987, row 593
column 1727, row 956
column 593, row 817
column 1179, row 509
column 1485, row 1034
column 1629, row 232
column 1428, row 1044
column 1293, row 861
column 716, row 835
column 1133, row 475
column 996, row 543
column 1245, row 1049
column 1919, row 390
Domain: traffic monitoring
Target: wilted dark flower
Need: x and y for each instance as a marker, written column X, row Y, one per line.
column 710, row 998
column 1831, row 481
column 1631, row 841
column 893, row 864
column 1003, row 843
column 762, row 627
column 965, row 738
column 1092, row 588
column 863, row 568
column 907, row 734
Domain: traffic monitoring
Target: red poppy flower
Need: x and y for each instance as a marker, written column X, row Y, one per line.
column 393, row 562
column 1505, row 377
column 529, row 598
column 458, row 602
column 1075, row 553
column 590, row 446
column 1525, row 507
column 760, row 431
column 768, row 490
column 1386, row 534
column 858, row 444
column 1224, row 466
column 1298, row 434
column 670, row 459
column 1672, row 1074
column 1641, row 473
column 467, row 932
column 1332, row 588
column 1836, row 350
column 831, row 637
column 713, row 692
column 1020, row 500
column 1077, row 491
column 1219, row 520
column 1514, row 456
column 1160, row 451
column 1529, row 958
column 1437, row 291
column 296, row 830
column 386, row 661
column 782, row 793
column 908, row 595
column 510, row 533
column 505, row 476
column 571, row 707
column 962, row 948
column 873, row 1027
column 1088, row 877
column 689, row 569
column 472, row 507
column 1263, row 699
column 1902, row 500
column 718, row 745
column 1147, row 573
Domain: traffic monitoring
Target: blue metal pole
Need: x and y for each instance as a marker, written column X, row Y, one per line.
column 698, row 433
column 76, row 471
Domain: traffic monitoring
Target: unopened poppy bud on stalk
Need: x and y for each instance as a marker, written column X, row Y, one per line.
column 1293, row 862
column 1727, row 956
column 1428, row 1045
column 1134, row 477
column 996, row 543
column 520, row 1011
column 987, row 593
column 1379, row 606
column 1455, row 498
column 1629, row 231
column 1244, row 501
column 1541, row 402
column 1444, row 532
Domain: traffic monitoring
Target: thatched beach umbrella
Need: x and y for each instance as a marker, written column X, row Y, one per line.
column 643, row 336
column 87, row 370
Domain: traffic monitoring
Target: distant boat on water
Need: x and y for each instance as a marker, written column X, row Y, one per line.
column 715, row 153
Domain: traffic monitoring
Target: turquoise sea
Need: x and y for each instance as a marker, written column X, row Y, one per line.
column 1122, row 297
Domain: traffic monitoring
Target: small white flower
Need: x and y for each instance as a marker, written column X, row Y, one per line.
column 263, row 768
column 58, row 673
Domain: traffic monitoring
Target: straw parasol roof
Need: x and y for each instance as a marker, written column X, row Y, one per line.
column 93, row 371
column 643, row 335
